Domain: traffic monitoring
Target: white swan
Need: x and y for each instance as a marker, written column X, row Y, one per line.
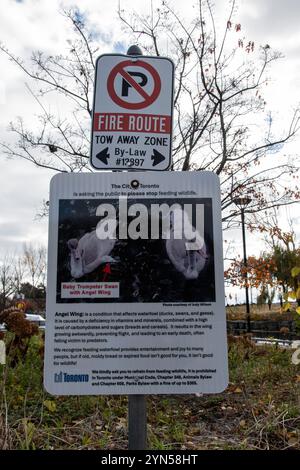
column 188, row 255
column 87, row 253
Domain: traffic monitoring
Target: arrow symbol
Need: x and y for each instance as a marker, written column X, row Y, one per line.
column 106, row 271
column 103, row 156
column 157, row 157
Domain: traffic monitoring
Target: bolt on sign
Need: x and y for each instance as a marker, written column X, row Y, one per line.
column 135, row 294
column 132, row 113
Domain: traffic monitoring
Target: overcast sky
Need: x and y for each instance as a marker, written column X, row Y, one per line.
column 36, row 24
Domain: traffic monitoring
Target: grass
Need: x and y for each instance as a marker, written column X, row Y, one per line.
column 259, row 410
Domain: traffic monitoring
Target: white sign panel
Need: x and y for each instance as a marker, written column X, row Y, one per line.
column 132, row 113
column 135, row 295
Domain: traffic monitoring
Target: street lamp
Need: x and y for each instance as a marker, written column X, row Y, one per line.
column 242, row 202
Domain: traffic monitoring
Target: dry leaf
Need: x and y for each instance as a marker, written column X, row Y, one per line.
column 293, row 441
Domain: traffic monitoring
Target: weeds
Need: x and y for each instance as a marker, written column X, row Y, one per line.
column 259, row 410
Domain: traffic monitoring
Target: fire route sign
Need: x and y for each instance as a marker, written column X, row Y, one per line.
column 132, row 113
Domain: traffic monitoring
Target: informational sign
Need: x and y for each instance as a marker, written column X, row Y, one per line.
column 135, row 295
column 132, row 113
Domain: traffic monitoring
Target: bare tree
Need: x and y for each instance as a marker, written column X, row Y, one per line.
column 12, row 271
column 219, row 104
column 19, row 271
column 35, row 263
column 60, row 143
column 218, row 100
column 7, row 284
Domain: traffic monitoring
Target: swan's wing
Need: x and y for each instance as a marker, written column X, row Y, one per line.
column 90, row 251
column 104, row 247
column 177, row 253
column 96, row 252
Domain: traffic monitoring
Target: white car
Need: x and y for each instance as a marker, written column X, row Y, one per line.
column 35, row 318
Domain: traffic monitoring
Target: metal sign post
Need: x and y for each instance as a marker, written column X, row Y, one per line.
column 137, row 408
column 137, row 422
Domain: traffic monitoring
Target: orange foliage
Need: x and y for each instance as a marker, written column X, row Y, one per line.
column 15, row 322
column 259, row 272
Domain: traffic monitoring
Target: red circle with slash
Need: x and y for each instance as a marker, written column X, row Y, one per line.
column 147, row 99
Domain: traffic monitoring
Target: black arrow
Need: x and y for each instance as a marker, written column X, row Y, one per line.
column 103, row 156
column 157, row 157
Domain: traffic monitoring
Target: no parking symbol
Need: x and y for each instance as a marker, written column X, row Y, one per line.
column 136, row 79
column 132, row 113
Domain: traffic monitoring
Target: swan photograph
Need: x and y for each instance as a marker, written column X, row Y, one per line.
column 171, row 266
